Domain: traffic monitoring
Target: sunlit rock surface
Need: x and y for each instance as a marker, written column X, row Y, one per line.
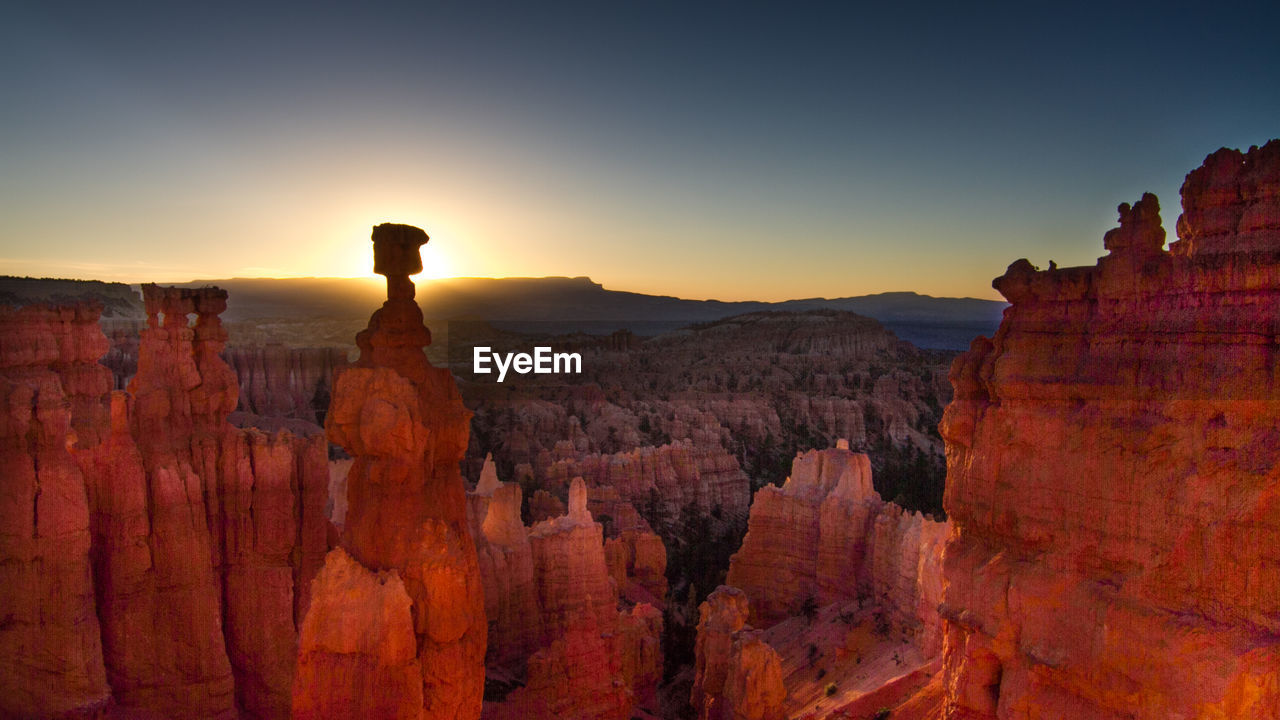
column 50, row 642
column 826, row 536
column 506, row 569
column 845, row 588
column 1112, row 472
column 559, row 621
column 738, row 676
column 202, row 539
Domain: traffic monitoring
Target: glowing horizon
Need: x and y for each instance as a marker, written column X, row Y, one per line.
column 759, row 155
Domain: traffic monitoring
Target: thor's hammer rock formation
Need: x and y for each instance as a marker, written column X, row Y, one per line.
column 397, row 623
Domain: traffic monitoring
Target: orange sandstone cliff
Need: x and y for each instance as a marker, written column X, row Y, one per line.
column 826, row 537
column 50, row 639
column 846, row 588
column 397, row 624
column 1114, row 472
column 182, row 548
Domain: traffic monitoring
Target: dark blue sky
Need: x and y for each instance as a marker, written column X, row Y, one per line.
column 731, row 150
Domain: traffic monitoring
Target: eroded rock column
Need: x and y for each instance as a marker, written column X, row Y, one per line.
column 405, row 539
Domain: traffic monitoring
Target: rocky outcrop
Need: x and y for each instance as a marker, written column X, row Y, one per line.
column 50, row 643
column 1231, row 204
column 403, row 421
column 374, row 650
column 637, row 562
column 1112, row 472
column 593, row 660
column 187, row 486
column 865, row 547
column 201, row 539
column 506, row 569
column 283, row 382
column 720, row 617
column 670, row 478
column 737, row 675
column 753, row 688
column 570, row 570
column 592, row 671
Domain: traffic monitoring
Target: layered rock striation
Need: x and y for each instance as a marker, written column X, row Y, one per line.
column 1114, row 472
column 405, row 538
column 506, row 569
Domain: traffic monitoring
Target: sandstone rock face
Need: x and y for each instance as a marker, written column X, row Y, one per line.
column 506, row 569
column 1113, row 460
column 403, row 421
column 637, row 561
column 720, row 617
column 50, row 643
column 572, row 576
column 675, row 476
column 283, row 382
column 578, row 675
column 559, row 621
column 222, row 631
column 202, row 539
column 753, row 688
column 378, row 633
column 738, row 676
column 1231, row 204
column 826, row 536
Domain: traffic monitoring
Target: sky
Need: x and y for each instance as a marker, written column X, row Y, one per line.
column 701, row 149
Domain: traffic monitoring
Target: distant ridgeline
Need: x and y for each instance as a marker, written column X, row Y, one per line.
column 555, row 305
column 118, row 299
column 559, row 305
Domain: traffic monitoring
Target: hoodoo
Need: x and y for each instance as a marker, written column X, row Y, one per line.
column 416, row 648
column 156, row 558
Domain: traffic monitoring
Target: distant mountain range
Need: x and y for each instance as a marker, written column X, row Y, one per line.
column 551, row 304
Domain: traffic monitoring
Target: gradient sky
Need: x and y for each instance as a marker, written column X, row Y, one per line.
column 727, row 150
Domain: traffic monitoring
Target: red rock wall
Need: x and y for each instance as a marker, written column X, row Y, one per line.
column 637, row 562
column 51, row 660
column 1113, row 472
column 202, row 539
column 826, row 536
column 278, row 381
column 507, row 571
column 591, row 659
column 570, row 569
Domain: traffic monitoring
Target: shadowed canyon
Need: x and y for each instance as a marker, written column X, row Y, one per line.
column 756, row 512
